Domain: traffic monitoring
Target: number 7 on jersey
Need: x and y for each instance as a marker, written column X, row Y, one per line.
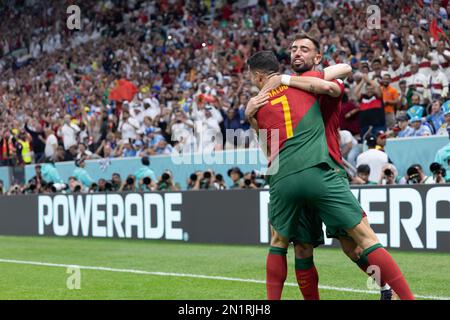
column 287, row 114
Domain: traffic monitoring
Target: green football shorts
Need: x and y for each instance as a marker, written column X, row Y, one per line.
column 301, row 201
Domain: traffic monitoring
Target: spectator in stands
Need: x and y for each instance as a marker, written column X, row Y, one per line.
column 38, row 181
column 443, row 157
column 236, row 176
column 381, row 140
column 371, row 109
column 374, row 158
column 166, row 183
column 444, row 129
column 404, row 130
column 349, row 147
column 128, row 126
column 116, row 182
column 415, row 175
column 439, row 173
column 438, row 82
column 38, row 139
column 50, row 173
column 219, row 182
column 8, row 148
column 129, row 185
column 389, row 175
column 145, row 171
column 349, row 118
column 391, row 100
column 420, row 128
column 51, row 143
column 418, row 83
column 362, row 175
column 206, row 180
column 436, row 117
column 81, row 174
column 403, row 95
column 68, row 132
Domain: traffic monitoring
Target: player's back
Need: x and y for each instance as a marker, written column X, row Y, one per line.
column 295, row 131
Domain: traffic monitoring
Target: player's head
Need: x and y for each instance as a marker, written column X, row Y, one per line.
column 261, row 65
column 305, row 53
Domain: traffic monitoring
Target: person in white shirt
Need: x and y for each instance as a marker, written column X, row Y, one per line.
column 181, row 129
column 419, row 83
column 51, row 143
column 152, row 108
column 374, row 158
column 397, row 71
column 69, row 133
column 128, row 126
column 349, row 147
column 442, row 56
column 438, row 82
column 211, row 138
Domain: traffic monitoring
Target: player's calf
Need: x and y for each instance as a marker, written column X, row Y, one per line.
column 276, row 266
column 306, row 272
column 355, row 253
column 379, row 257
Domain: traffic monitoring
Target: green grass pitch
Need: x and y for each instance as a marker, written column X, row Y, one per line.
column 426, row 272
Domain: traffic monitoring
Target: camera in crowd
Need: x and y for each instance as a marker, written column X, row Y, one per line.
column 438, row 169
column 147, row 181
column 193, row 177
column 413, row 175
column 130, row 181
column 388, row 173
column 165, row 177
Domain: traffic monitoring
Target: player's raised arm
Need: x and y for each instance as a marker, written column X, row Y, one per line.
column 309, row 84
column 337, row 71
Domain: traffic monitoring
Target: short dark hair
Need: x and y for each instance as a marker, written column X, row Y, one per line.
column 264, row 61
column 363, row 168
column 304, row 35
column 376, row 60
column 145, row 161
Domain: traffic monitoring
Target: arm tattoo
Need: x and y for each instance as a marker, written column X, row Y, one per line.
column 312, row 89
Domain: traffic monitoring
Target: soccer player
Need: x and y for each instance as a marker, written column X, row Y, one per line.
column 305, row 55
column 306, row 174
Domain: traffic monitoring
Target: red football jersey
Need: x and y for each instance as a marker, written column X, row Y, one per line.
column 282, row 115
column 331, row 109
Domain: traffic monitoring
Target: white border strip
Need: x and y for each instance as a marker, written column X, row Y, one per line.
column 197, row 276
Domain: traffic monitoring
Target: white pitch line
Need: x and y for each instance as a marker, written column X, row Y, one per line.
column 198, row 276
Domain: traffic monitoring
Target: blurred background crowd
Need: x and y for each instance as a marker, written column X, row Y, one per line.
column 143, row 78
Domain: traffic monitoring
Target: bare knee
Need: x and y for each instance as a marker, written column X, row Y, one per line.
column 363, row 235
column 278, row 240
column 303, row 250
column 350, row 248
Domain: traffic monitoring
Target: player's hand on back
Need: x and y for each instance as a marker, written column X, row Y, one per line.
column 255, row 103
column 273, row 83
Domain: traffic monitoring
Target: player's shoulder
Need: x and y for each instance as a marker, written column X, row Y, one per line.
column 314, row 73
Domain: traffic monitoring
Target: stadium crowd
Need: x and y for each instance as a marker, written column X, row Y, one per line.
column 143, row 78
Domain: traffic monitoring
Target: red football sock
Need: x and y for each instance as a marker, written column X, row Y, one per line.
column 276, row 272
column 307, row 278
column 389, row 270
